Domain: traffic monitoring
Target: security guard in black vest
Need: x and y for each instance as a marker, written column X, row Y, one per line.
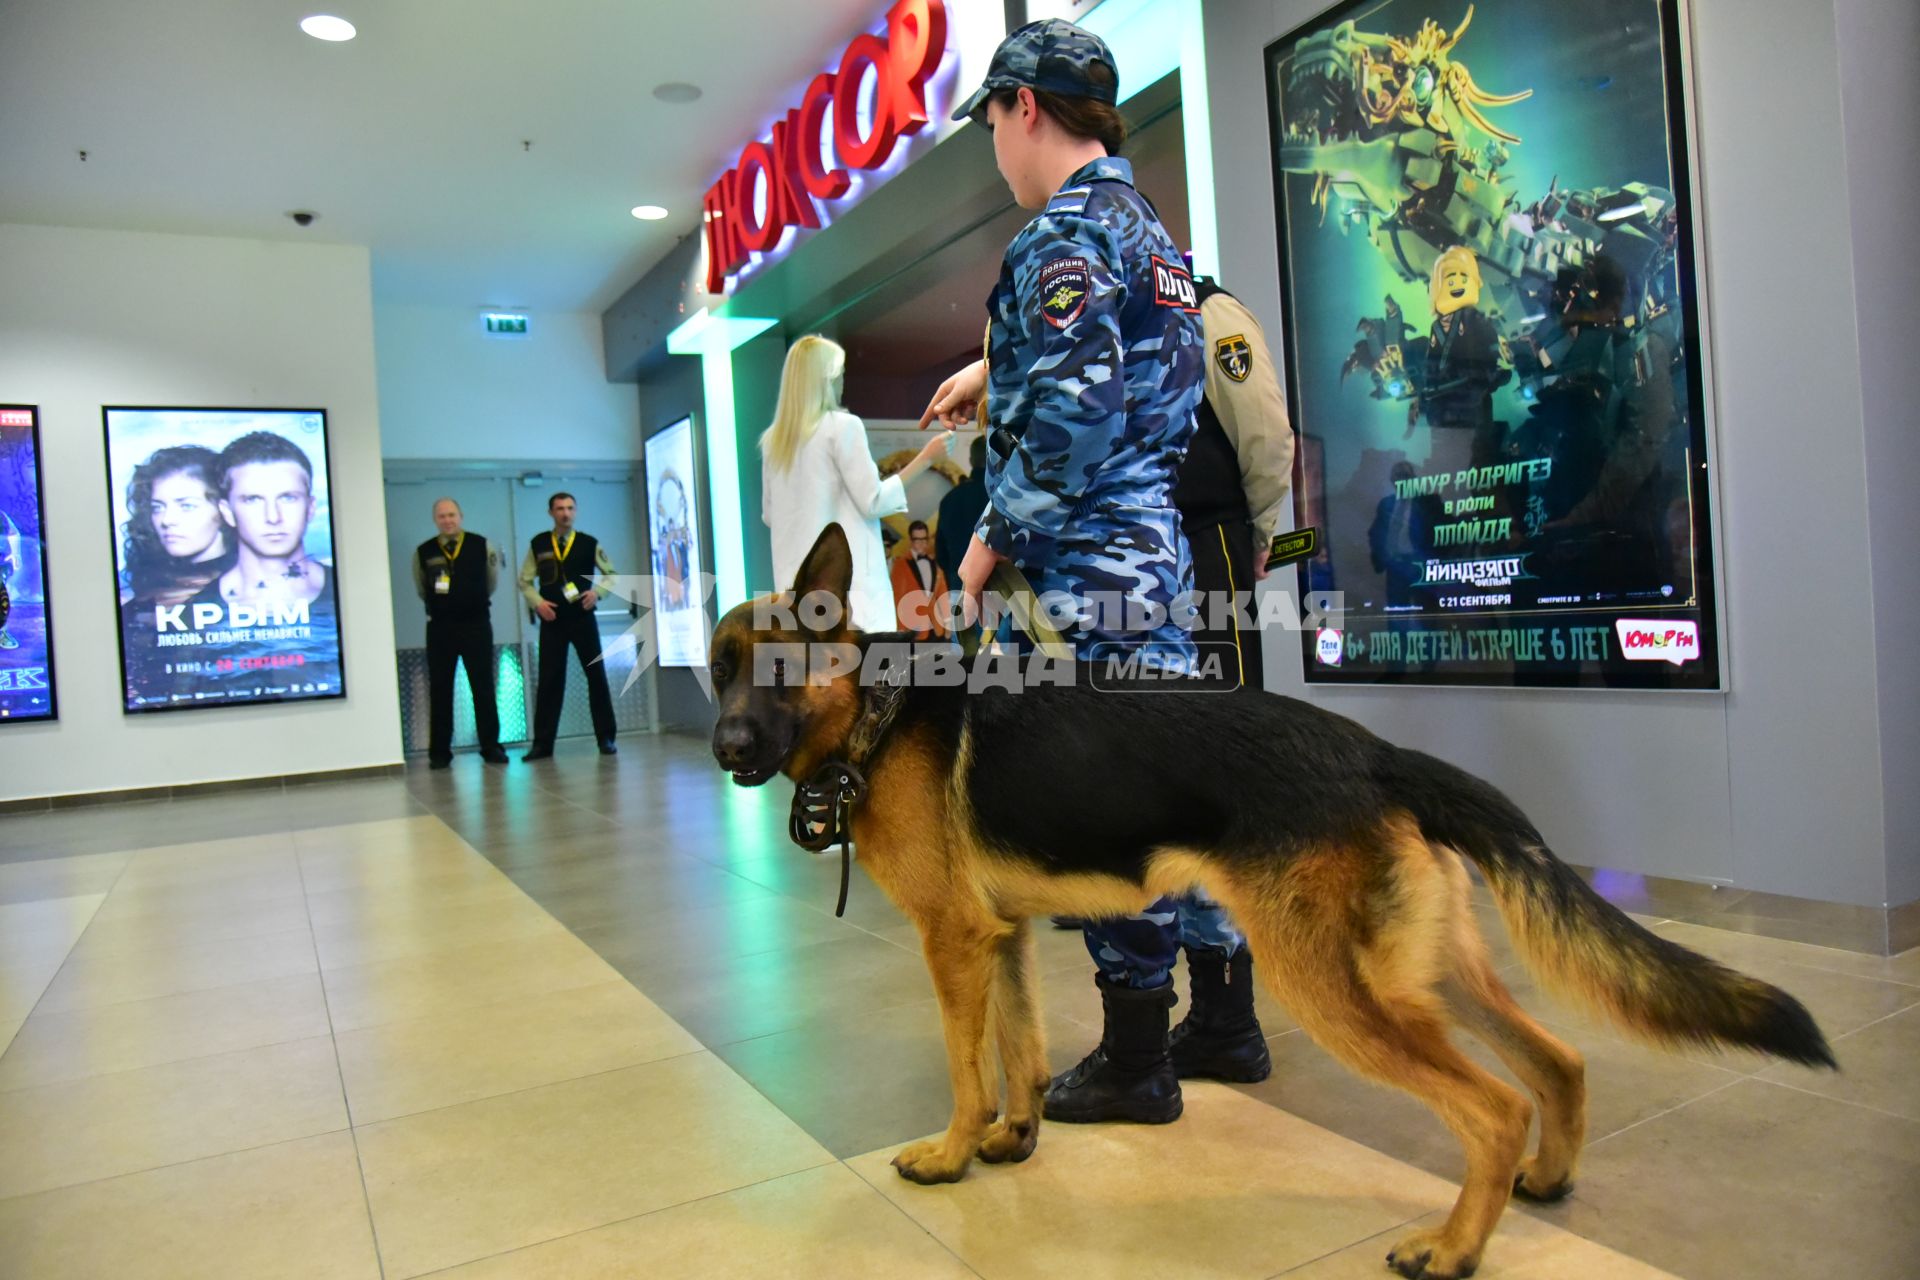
column 1231, row 490
column 455, row 573
column 558, row 578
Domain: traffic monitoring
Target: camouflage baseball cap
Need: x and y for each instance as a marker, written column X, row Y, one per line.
column 1051, row 55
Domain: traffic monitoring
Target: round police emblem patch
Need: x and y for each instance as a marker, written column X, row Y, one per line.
column 1064, row 284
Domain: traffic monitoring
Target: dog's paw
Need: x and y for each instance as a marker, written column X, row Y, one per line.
column 1008, row 1142
column 1426, row 1255
column 1541, row 1188
column 928, row 1163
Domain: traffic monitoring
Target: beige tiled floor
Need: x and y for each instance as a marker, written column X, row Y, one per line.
column 1235, row 1189
column 49, row 878
column 484, row 1177
column 398, row 1068
column 35, row 937
column 820, row 1222
column 293, row 1210
column 375, row 1049
column 163, row 928
column 148, row 1033
column 1524, row 1249
column 101, row 1126
column 91, row 979
column 46, row 928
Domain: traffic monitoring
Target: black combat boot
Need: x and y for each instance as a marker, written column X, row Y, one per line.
column 1127, row 1076
column 1220, row 1038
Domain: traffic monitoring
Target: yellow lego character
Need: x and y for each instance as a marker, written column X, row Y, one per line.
column 1456, row 281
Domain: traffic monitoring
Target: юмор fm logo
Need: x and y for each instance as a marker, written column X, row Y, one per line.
column 790, row 166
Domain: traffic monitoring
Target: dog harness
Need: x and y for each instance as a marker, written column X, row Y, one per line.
column 822, row 812
column 823, row 805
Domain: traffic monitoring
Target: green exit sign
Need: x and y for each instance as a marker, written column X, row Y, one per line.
column 506, row 324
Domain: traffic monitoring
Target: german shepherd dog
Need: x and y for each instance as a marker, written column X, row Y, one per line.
column 1342, row 857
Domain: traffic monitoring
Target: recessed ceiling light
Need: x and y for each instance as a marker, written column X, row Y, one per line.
column 649, row 212
column 677, row 92
column 324, row 26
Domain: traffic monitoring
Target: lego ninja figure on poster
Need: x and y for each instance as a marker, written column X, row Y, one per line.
column 1464, row 363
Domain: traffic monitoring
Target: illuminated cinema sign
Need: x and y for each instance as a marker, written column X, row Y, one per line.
column 776, row 182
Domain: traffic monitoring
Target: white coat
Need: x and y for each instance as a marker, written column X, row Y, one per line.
column 834, row 479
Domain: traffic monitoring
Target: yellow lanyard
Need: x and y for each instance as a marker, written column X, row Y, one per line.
column 458, row 544
column 562, row 552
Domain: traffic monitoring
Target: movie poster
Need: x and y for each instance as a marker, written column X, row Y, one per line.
column 26, row 646
column 673, row 530
column 223, row 535
column 1487, row 262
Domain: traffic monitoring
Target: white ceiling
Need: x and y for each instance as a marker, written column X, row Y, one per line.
column 218, row 117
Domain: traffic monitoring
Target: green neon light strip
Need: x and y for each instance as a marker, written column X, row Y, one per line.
column 713, row 338
column 708, row 331
column 510, row 692
column 723, row 482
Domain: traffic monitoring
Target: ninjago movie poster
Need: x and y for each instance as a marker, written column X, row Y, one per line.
column 1487, row 272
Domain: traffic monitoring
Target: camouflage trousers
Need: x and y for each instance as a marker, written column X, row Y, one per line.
column 1138, row 951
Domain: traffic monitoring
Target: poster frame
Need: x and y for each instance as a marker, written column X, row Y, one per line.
column 1713, row 667
column 696, row 486
column 113, row 557
column 46, row 574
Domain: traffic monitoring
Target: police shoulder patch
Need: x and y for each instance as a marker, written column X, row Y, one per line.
column 1173, row 286
column 1064, row 284
column 1235, row 357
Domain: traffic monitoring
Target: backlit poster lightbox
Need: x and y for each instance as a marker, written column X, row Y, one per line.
column 1487, row 246
column 223, row 539
column 26, row 645
column 673, row 530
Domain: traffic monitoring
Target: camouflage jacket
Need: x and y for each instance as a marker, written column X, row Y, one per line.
column 1094, row 369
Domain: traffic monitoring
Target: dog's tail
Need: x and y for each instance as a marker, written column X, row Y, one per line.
column 1585, row 946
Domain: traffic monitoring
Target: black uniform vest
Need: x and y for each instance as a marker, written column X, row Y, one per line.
column 578, row 569
column 1207, row 489
column 466, row 600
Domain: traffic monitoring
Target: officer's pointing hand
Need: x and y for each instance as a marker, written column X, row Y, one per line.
column 958, row 400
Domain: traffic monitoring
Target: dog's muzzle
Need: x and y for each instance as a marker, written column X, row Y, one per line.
column 822, row 805
column 736, row 748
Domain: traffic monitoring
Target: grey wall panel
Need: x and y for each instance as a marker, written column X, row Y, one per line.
column 1804, row 769
column 1635, row 782
column 1879, row 101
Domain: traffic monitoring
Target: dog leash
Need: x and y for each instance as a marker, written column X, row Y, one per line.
column 1011, row 585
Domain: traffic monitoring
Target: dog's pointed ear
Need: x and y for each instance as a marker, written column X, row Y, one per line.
column 828, row 567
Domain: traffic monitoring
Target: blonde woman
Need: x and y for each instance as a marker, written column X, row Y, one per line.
column 817, row 470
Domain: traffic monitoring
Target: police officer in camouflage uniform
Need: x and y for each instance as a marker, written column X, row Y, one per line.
column 1094, row 364
column 1231, row 493
column 1094, row 370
